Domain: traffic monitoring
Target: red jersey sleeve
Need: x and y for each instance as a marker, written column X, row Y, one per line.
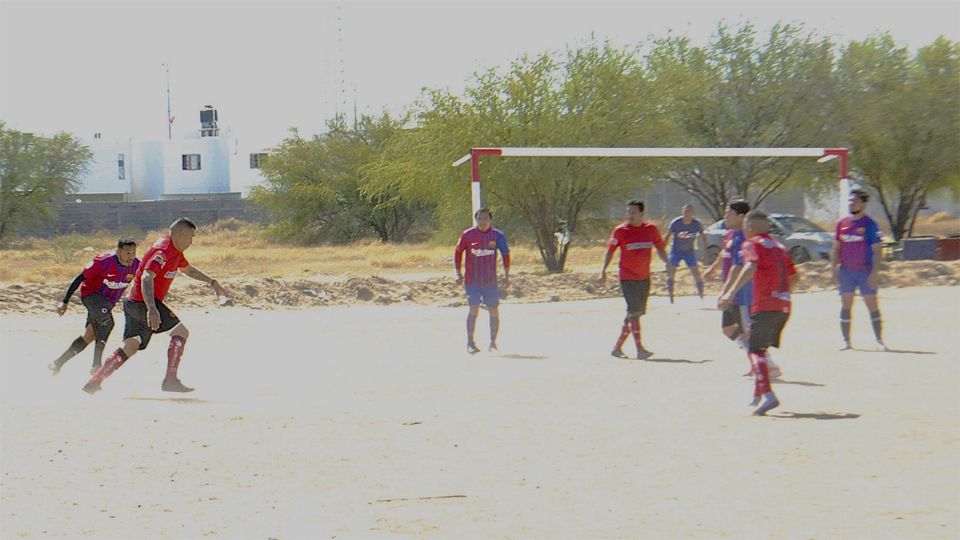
column 92, row 270
column 614, row 242
column 657, row 239
column 749, row 252
column 156, row 262
column 458, row 252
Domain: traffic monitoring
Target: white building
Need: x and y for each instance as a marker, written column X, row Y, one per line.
column 206, row 163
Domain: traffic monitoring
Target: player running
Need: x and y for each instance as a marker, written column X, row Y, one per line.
column 735, row 321
column 857, row 254
column 635, row 238
column 101, row 282
column 767, row 262
column 481, row 244
column 685, row 230
column 145, row 313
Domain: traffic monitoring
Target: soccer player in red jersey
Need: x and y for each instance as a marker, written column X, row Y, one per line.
column 101, row 283
column 144, row 311
column 767, row 262
column 635, row 238
column 480, row 244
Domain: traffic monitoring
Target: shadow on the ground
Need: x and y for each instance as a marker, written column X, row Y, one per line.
column 524, row 356
column 677, row 361
column 895, row 351
column 816, row 416
column 798, row 383
column 171, row 399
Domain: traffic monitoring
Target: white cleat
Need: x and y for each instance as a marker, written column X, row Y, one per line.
column 846, row 346
column 881, row 346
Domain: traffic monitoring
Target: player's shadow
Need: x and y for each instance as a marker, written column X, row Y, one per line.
column 677, row 361
column 170, row 399
column 816, row 416
column 797, row 383
column 894, row 351
column 524, row 356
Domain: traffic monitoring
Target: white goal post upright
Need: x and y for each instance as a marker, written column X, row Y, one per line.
column 822, row 155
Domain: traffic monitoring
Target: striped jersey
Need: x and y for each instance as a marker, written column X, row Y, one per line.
column 480, row 248
column 105, row 275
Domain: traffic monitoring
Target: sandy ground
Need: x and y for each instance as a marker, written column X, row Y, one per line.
column 371, row 421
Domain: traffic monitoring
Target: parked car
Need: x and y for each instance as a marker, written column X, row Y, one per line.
column 804, row 238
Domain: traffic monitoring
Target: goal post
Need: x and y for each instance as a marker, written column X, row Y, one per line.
column 822, row 155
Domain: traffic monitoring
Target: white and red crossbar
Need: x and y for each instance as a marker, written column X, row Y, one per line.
column 822, row 155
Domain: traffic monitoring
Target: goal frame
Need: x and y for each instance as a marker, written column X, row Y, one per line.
column 822, row 155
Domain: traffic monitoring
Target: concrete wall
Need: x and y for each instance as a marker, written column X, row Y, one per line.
column 149, row 215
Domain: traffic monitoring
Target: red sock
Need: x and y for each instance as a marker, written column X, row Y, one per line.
column 174, row 353
column 112, row 364
column 761, row 375
column 635, row 330
column 624, row 332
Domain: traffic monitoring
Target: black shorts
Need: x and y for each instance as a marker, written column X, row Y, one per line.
column 635, row 292
column 99, row 309
column 135, row 321
column 765, row 329
column 736, row 316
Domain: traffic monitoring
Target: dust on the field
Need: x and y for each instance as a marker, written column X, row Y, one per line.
column 269, row 293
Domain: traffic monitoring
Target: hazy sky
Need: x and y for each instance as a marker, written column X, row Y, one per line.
column 88, row 67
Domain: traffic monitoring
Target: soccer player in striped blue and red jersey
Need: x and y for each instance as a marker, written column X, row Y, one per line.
column 480, row 244
column 102, row 282
column 635, row 238
column 855, row 261
column 769, row 265
column 145, row 313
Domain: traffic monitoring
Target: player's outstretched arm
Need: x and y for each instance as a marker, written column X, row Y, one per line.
column 62, row 307
column 197, row 274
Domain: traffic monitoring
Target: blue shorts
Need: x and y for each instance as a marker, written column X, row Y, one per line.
column 482, row 295
column 850, row 280
column 690, row 258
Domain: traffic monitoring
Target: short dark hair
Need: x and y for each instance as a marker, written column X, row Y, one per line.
column 476, row 215
column 185, row 222
column 740, row 207
column 124, row 242
column 636, row 202
column 860, row 194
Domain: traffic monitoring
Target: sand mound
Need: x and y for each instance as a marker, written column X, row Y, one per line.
column 269, row 293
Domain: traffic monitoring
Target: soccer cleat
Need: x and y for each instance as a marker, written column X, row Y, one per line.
column 881, row 346
column 472, row 348
column 493, row 347
column 54, row 368
column 643, row 354
column 846, row 346
column 174, row 385
column 769, row 404
column 91, row 388
column 618, row 353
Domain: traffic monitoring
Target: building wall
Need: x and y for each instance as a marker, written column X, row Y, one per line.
column 103, row 173
column 86, row 217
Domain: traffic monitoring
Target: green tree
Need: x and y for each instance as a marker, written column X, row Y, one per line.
column 35, row 174
column 595, row 96
column 741, row 92
column 315, row 188
column 902, row 116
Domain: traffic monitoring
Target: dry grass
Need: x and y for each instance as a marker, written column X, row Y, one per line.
column 234, row 249
column 244, row 252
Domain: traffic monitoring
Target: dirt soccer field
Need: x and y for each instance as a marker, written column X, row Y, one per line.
column 372, row 422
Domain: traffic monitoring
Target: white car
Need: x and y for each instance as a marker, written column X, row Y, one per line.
column 806, row 240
